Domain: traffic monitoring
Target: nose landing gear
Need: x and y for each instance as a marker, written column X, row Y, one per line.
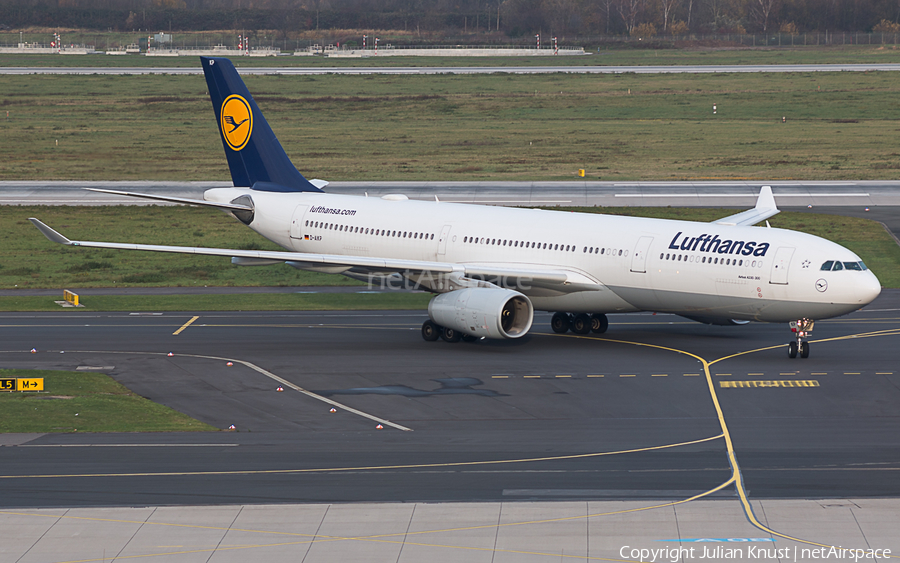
column 801, row 328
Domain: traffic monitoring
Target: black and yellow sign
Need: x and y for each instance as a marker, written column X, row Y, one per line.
column 30, row 384
column 236, row 121
column 22, row 384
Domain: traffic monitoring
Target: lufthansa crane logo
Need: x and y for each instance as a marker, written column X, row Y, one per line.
column 237, row 121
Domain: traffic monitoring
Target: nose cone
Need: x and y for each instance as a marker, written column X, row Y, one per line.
column 867, row 288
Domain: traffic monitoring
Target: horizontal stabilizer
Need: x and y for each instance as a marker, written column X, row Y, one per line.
column 186, row 201
column 765, row 208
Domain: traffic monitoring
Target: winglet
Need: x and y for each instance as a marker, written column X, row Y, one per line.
column 766, row 199
column 50, row 233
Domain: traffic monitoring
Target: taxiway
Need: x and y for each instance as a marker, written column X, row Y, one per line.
column 626, row 415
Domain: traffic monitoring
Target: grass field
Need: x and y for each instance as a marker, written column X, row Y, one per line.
column 86, row 402
column 465, row 127
column 28, row 260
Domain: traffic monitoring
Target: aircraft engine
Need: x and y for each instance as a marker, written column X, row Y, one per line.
column 482, row 311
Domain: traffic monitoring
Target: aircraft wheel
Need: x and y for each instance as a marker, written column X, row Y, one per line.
column 470, row 338
column 599, row 323
column 560, row 323
column 451, row 335
column 792, row 349
column 581, row 324
column 804, row 349
column 430, row 331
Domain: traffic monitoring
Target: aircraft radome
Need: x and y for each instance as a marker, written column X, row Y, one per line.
column 491, row 267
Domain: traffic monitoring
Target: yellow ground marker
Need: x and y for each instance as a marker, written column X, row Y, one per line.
column 775, row 383
column 185, row 325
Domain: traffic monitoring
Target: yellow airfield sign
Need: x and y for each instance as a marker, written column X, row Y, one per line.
column 30, row 384
column 22, row 384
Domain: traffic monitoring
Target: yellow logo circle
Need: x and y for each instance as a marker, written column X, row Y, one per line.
column 236, row 121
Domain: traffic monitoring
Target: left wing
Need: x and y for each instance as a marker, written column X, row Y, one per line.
column 566, row 281
column 765, row 208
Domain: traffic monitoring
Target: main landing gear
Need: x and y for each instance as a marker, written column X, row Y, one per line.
column 432, row 331
column 582, row 323
column 801, row 329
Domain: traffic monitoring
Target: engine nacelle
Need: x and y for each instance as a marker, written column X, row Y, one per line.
column 483, row 311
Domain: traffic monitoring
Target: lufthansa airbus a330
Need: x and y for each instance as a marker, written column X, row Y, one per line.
column 492, row 267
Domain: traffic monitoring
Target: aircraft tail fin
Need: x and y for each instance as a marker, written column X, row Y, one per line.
column 255, row 157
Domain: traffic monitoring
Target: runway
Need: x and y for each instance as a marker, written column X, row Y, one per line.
column 546, row 194
column 548, row 69
column 630, row 414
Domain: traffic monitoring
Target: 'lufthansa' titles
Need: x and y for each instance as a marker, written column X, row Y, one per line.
column 236, row 121
column 712, row 244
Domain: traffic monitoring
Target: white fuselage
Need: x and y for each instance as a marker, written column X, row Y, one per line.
column 708, row 271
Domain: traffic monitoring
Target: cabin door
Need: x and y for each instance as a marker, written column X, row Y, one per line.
column 442, row 242
column 639, row 260
column 297, row 221
column 781, row 265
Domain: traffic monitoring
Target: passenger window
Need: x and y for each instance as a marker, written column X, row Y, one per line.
column 837, row 266
column 827, row 265
column 852, row 266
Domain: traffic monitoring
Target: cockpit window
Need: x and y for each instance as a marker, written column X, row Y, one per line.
column 827, row 265
column 863, row 264
column 852, row 266
column 837, row 266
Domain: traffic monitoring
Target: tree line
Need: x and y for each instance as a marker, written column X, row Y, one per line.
column 495, row 20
